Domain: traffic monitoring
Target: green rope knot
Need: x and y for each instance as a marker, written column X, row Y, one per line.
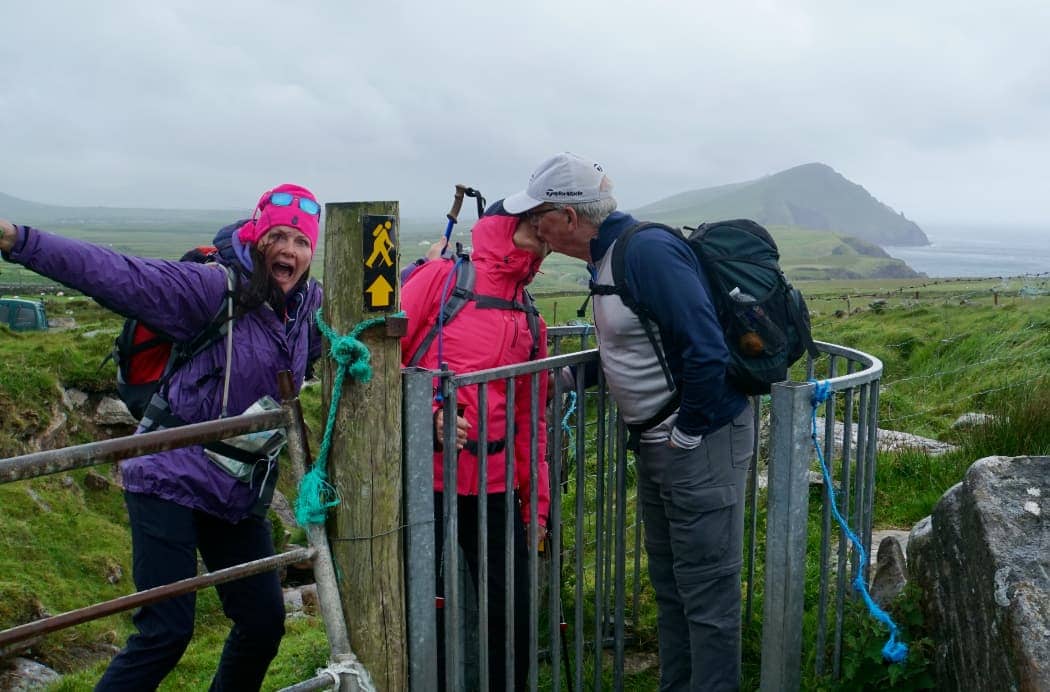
column 353, row 356
column 316, row 494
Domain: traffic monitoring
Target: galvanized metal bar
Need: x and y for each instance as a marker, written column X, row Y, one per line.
column 599, row 543
column 159, row 593
column 860, row 485
column 637, row 567
column 786, row 536
column 324, row 568
column 578, row 538
column 321, row 682
column 94, row 453
column 420, row 557
column 825, row 530
column 508, row 537
column 533, row 534
column 844, row 491
column 608, row 532
column 483, row 538
column 554, row 605
column 453, row 604
column 752, row 511
column 620, row 570
column 526, row 368
column 869, row 501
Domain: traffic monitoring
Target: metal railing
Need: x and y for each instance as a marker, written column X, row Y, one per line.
column 584, row 586
column 600, row 550
column 289, row 417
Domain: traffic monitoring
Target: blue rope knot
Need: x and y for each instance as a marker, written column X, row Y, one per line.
column 893, row 650
column 821, row 391
column 316, row 494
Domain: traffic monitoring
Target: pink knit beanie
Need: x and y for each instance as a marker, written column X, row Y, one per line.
column 267, row 215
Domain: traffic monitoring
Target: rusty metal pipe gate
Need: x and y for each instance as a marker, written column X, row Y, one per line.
column 290, row 417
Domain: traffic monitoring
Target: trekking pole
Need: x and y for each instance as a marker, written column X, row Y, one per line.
column 457, row 204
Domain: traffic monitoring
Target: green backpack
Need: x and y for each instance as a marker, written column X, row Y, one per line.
column 764, row 318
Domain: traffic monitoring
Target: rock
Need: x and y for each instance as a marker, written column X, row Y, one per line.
column 891, row 572
column 114, row 572
column 61, row 324
column 38, row 501
column 982, row 562
column 112, row 411
column 73, row 398
column 293, row 601
column 889, row 440
column 311, row 603
column 96, row 481
column 970, row 420
column 26, row 674
column 283, row 509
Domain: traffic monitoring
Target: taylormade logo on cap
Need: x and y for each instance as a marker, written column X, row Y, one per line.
column 562, row 178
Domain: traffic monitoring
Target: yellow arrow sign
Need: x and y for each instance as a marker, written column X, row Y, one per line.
column 380, row 291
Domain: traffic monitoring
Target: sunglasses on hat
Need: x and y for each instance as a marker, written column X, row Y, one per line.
column 285, row 199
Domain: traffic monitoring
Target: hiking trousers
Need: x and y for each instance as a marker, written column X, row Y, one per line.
column 165, row 538
column 693, row 507
column 500, row 593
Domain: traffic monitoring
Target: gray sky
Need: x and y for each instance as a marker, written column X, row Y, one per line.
column 939, row 109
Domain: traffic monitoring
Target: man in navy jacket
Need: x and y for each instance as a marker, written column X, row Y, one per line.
column 694, row 437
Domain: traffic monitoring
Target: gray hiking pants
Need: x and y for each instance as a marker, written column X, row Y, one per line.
column 693, row 507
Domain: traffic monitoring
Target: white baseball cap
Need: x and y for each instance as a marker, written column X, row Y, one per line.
column 565, row 178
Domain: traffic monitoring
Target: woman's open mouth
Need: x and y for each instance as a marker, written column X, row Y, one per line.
column 282, row 270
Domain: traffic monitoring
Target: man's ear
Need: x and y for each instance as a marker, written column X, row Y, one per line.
column 573, row 218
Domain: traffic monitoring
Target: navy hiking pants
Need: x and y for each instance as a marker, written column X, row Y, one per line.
column 165, row 538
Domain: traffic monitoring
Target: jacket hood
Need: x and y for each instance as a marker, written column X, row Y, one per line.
column 231, row 250
column 493, row 240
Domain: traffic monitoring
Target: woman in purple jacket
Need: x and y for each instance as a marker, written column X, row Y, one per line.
column 182, row 501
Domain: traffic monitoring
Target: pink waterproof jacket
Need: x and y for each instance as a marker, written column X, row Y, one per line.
column 478, row 339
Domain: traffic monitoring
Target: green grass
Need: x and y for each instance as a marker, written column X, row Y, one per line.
column 946, row 352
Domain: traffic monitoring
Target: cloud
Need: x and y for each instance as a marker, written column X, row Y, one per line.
column 937, row 109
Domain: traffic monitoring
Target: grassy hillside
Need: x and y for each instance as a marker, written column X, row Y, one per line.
column 947, row 347
column 810, row 196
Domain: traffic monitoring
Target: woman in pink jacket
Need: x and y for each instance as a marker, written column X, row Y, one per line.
column 506, row 256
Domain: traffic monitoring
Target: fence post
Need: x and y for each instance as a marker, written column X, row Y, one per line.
column 786, row 520
column 361, row 267
column 420, row 574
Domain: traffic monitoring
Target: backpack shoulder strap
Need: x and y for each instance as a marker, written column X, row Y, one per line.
column 462, row 293
column 532, row 316
column 617, row 288
column 220, row 325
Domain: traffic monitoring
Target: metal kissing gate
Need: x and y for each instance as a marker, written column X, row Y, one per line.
column 585, row 580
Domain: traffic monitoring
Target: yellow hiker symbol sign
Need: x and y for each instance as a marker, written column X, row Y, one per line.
column 379, row 238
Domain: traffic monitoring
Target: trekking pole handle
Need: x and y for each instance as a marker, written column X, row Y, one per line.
column 457, row 203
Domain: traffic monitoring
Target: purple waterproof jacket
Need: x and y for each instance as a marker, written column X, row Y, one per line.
column 180, row 298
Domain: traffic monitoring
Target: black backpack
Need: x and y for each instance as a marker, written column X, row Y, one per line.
column 764, row 318
column 146, row 358
column 462, row 293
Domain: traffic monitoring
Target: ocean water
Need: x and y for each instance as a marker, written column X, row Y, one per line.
column 972, row 251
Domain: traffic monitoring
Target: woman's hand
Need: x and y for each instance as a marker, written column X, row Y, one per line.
column 7, row 235
column 435, row 250
column 462, row 426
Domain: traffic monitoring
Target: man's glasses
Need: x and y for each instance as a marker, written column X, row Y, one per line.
column 285, row 199
column 535, row 215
